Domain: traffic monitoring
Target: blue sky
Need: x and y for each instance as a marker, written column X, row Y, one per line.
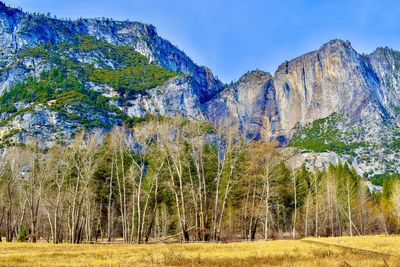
column 232, row 37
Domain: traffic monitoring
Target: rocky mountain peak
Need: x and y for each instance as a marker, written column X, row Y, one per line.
column 255, row 75
column 385, row 53
column 9, row 12
column 335, row 47
column 336, row 43
column 381, row 50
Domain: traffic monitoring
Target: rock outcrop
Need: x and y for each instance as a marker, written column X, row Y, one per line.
column 333, row 79
column 249, row 103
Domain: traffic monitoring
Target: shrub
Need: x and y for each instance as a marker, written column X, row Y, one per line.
column 23, row 235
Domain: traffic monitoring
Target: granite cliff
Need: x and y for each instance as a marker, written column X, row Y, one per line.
column 59, row 76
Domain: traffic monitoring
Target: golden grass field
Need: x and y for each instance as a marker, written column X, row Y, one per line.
column 368, row 251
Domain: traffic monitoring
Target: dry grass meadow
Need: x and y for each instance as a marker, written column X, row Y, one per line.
column 342, row 251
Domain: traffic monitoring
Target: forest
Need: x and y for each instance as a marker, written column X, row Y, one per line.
column 174, row 179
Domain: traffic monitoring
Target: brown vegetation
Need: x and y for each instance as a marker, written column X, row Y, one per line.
column 271, row 253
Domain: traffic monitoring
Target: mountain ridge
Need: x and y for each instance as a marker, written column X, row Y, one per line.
column 108, row 84
column 142, row 36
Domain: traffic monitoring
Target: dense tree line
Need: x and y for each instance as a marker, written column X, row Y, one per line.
column 170, row 179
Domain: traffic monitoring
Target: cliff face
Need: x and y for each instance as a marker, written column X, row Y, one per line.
column 176, row 97
column 334, row 78
column 19, row 31
column 385, row 63
column 250, row 104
